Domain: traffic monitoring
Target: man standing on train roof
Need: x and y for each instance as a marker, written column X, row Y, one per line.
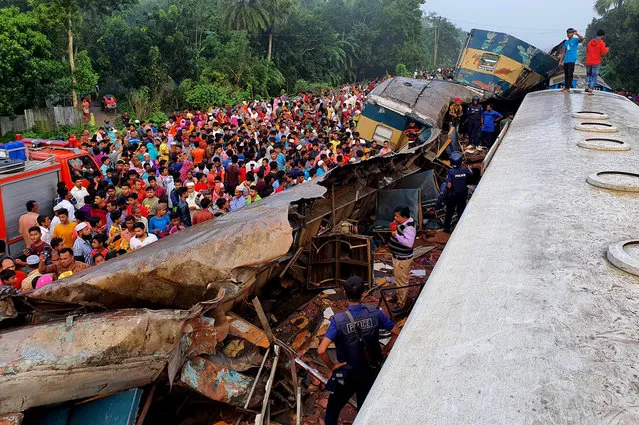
column 403, row 233
column 355, row 333
column 457, row 189
column 594, row 50
column 569, row 57
column 474, row 112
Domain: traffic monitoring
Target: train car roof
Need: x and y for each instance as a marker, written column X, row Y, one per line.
column 424, row 100
column 523, row 320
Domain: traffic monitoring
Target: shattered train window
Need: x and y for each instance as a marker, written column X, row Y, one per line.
column 488, row 61
column 382, row 134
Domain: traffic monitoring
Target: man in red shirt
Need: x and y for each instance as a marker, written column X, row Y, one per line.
column 594, row 50
column 204, row 214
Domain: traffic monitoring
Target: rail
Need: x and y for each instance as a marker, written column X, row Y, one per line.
column 491, row 153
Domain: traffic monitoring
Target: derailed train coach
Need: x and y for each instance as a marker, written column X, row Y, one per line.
column 396, row 102
column 502, row 65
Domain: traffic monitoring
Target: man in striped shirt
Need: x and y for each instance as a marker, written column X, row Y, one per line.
column 403, row 233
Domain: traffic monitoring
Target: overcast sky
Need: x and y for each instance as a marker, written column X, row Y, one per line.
column 542, row 23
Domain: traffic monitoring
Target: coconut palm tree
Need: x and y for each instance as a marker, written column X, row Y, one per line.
column 602, row 6
column 278, row 12
column 245, row 15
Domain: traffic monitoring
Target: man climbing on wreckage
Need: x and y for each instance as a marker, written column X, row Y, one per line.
column 355, row 333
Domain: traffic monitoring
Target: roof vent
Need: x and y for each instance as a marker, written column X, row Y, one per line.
column 590, row 115
column 622, row 181
column 625, row 255
column 599, row 144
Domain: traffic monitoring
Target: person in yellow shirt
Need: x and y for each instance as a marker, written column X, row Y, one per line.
column 164, row 149
column 65, row 229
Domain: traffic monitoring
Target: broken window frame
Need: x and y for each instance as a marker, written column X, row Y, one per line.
column 488, row 61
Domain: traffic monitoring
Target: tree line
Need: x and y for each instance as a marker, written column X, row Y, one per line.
column 167, row 54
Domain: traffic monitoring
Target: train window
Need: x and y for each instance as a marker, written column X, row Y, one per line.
column 382, row 134
column 522, row 77
column 488, row 61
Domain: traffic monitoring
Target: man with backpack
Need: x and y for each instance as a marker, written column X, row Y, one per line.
column 355, row 333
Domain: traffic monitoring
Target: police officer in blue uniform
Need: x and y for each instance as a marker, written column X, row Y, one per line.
column 474, row 113
column 355, row 333
column 457, row 189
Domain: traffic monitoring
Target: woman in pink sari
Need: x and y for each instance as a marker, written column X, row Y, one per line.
column 186, row 167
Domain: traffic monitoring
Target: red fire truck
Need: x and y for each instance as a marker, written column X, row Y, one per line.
column 47, row 163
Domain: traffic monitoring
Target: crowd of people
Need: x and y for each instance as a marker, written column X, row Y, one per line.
column 158, row 179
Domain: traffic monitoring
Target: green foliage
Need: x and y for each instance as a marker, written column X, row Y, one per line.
column 27, row 69
column 63, row 132
column 142, row 104
column 401, row 70
column 159, row 117
column 162, row 54
column 451, row 41
column 203, row 96
column 602, row 6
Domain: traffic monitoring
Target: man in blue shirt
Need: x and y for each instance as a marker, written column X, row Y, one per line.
column 489, row 118
column 569, row 57
column 359, row 354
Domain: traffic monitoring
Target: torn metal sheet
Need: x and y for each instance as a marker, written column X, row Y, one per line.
column 7, row 309
column 192, row 265
column 94, row 354
column 216, row 382
column 246, row 330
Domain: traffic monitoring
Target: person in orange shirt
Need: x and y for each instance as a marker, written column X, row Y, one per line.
column 197, row 154
column 65, row 229
column 594, row 50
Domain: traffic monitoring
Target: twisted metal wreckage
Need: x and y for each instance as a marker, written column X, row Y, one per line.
column 106, row 338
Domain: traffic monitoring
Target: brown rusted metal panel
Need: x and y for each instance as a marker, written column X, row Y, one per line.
column 246, row 330
column 216, row 382
column 11, row 419
column 7, row 309
column 95, row 354
column 185, row 268
column 336, row 257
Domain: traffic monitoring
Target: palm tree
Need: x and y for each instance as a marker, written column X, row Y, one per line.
column 278, row 12
column 602, row 6
column 245, row 15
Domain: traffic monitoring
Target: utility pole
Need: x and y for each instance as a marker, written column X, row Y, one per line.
column 436, row 47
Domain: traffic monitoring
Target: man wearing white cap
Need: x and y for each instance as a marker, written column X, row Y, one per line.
column 191, row 200
column 28, row 282
column 82, row 245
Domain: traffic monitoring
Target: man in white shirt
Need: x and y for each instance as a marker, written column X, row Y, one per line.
column 142, row 238
column 65, row 203
column 79, row 192
column 45, row 225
